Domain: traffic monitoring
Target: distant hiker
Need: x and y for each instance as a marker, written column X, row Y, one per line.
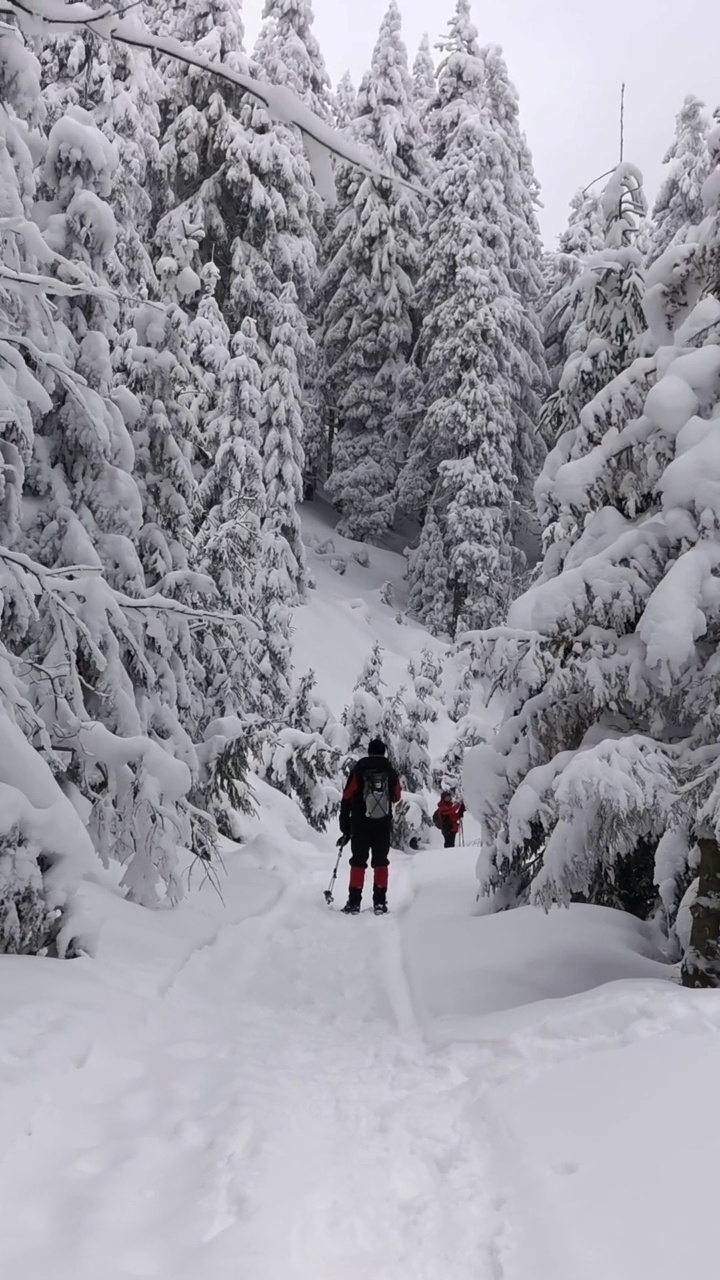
column 371, row 790
column 448, row 816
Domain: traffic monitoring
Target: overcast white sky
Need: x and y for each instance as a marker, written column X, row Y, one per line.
column 568, row 59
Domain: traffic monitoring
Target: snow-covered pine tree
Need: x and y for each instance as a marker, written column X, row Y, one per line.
column 427, row 572
column 583, row 236
column 368, row 291
column 448, row 772
column 461, row 455
column 288, row 52
column 521, row 197
column 300, row 761
column 282, row 427
column 606, row 303
column 412, row 758
column 229, row 545
column 96, row 653
column 406, row 749
column 121, row 91
column 423, row 75
column 44, row 846
column 364, row 716
column 679, row 206
column 604, row 771
column 344, row 101
column 241, row 181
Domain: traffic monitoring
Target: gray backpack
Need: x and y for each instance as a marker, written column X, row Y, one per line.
column 376, row 794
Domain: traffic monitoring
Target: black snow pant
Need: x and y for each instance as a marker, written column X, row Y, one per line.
column 450, row 837
column 370, row 839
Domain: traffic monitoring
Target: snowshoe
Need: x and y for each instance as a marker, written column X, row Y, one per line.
column 380, row 908
column 351, row 909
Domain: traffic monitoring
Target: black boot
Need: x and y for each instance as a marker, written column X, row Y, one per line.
column 380, row 902
column 352, row 906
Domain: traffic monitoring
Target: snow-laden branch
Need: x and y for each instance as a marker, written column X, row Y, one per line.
column 47, row 286
column 67, row 579
column 40, row 17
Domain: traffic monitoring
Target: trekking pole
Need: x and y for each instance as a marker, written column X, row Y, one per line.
column 462, row 832
column 328, row 895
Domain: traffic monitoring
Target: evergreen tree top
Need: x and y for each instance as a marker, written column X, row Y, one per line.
column 288, row 51
column 502, row 96
column 345, row 100
column 424, row 82
column 385, row 116
column 461, row 49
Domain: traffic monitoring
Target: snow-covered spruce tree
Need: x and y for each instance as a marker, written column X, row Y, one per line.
column 300, row 761
column 679, row 206
column 461, row 455
column 521, row 197
column 121, row 91
column 448, row 772
column 363, row 717
column 604, row 772
column 423, row 76
column 412, row 758
column 368, row 292
column 91, row 648
column 288, row 52
column 411, row 816
column 44, row 847
column 427, row 570
column 606, row 319
column 240, row 180
column 583, row 236
column 281, row 427
column 344, row 101
column 232, row 495
column 229, row 549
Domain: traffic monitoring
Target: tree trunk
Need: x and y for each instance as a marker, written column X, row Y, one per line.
column 701, row 966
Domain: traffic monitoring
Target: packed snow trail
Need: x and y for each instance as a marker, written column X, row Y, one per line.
column 275, row 1115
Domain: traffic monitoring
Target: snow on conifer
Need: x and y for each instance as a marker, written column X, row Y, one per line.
column 344, row 101
column 364, row 716
column 368, row 287
column 281, row 426
column 423, row 74
column 584, row 235
column 679, row 205
column 461, row 454
column 604, row 769
column 606, row 317
column 288, row 52
column 521, row 194
column 301, row 760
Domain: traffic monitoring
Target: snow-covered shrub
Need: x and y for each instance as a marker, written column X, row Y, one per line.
column 44, row 850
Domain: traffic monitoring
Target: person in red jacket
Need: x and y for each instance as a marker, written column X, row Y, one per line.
column 448, row 816
column 371, row 790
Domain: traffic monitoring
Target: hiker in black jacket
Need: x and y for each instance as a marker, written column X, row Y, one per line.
column 371, row 790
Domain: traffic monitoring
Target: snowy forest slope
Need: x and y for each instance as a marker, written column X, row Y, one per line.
column 225, row 1079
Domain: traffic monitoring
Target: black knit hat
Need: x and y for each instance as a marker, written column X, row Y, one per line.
column 377, row 747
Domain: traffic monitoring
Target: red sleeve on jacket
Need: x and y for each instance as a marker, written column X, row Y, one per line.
column 352, row 786
column 397, row 791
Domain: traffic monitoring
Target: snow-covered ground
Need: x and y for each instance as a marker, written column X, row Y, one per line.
column 267, row 1089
